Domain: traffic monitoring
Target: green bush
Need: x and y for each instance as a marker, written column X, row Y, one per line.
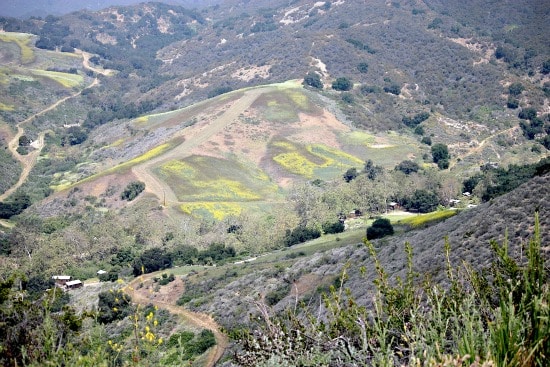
column 496, row 316
column 381, row 227
column 301, row 234
column 342, row 84
column 132, row 190
column 333, row 227
column 313, row 79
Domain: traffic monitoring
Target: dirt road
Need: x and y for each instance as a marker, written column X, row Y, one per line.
column 29, row 160
column 194, row 137
column 200, row 320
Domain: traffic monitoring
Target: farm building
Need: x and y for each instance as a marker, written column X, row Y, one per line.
column 61, row 280
column 73, row 284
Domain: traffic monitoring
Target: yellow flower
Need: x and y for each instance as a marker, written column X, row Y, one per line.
column 155, row 323
column 160, row 341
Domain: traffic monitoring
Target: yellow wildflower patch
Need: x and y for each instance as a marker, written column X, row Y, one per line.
column 298, row 98
column 217, row 210
column 224, row 189
column 5, row 107
column 22, row 40
column 424, row 219
column 178, row 168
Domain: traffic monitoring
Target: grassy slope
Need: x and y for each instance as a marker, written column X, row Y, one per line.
column 229, row 291
column 285, row 136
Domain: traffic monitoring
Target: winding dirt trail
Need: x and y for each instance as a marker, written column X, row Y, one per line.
column 29, row 160
column 193, row 139
column 200, row 320
column 479, row 147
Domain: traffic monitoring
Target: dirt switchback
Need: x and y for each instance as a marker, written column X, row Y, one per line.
column 166, row 300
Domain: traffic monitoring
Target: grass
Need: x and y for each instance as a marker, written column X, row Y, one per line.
column 424, row 220
column 22, row 40
column 5, row 107
column 65, row 79
column 67, row 184
column 217, row 210
column 284, row 104
column 386, row 150
column 209, row 179
column 315, row 160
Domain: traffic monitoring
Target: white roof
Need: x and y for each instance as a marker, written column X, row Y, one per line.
column 101, row 272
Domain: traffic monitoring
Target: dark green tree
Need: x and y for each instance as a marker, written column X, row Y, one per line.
column 313, row 80
column 363, row 67
column 381, row 227
column 422, row 201
column 440, row 153
column 350, row 174
column 407, row 167
column 132, row 190
column 342, row 84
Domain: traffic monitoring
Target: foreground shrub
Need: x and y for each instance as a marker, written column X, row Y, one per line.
column 498, row 316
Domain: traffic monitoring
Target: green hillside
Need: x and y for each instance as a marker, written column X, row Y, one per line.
column 207, row 177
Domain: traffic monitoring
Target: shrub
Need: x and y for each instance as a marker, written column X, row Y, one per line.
column 333, row 227
column 301, row 234
column 313, row 80
column 132, row 190
column 512, row 103
column 342, row 84
column 273, row 297
column 363, row 67
column 515, row 89
column 113, row 305
column 416, row 119
column 219, row 91
column 496, row 316
column 381, row 227
column 407, row 167
column 393, row 89
column 422, row 201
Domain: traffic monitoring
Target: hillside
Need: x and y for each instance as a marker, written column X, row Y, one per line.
column 468, row 233
column 245, row 147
